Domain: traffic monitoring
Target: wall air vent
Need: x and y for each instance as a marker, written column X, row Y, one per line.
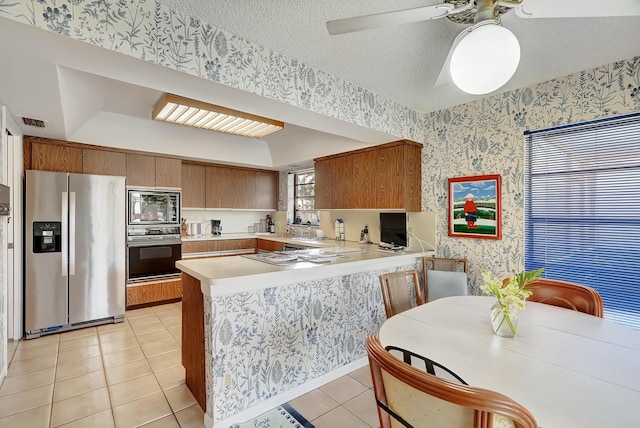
column 36, row 123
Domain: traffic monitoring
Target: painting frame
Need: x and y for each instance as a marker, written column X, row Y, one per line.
column 480, row 192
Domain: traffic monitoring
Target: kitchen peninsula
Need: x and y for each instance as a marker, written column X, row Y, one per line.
column 257, row 334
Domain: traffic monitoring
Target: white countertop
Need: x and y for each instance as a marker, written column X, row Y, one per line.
column 270, row 236
column 229, row 275
column 210, row 237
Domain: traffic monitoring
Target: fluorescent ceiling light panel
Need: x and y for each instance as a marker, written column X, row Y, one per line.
column 185, row 111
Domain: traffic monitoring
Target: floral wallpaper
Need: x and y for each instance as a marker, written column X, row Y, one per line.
column 487, row 137
column 265, row 342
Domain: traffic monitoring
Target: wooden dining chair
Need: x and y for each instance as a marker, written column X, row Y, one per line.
column 566, row 295
column 443, row 277
column 409, row 397
column 396, row 291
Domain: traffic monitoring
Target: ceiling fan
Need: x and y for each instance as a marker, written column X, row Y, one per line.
column 485, row 55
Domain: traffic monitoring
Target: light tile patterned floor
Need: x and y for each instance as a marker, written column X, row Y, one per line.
column 130, row 375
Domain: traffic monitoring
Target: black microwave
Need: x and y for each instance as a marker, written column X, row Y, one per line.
column 145, row 207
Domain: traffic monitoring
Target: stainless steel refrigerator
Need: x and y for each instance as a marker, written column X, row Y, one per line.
column 74, row 251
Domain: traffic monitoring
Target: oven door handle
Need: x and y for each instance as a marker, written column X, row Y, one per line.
column 153, row 243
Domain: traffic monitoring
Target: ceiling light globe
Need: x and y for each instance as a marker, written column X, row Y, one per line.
column 485, row 58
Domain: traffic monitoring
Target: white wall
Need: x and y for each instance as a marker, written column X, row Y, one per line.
column 231, row 221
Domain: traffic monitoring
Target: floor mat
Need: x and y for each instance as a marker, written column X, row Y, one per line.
column 283, row 416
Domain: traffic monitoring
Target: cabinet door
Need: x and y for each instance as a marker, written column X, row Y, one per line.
column 413, row 178
column 230, row 187
column 268, row 245
column 266, row 190
column 168, row 172
column 50, row 157
column 364, row 179
column 243, row 185
column 390, row 178
column 206, row 246
column 325, row 184
column 141, row 170
column 344, row 187
column 103, row 162
column 193, row 185
column 216, row 187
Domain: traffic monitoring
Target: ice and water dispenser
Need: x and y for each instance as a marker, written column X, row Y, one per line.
column 47, row 237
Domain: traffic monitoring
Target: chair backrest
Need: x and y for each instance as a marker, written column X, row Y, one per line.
column 443, row 284
column 566, row 295
column 409, row 397
column 396, row 291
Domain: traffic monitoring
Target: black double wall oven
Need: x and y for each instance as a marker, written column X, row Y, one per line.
column 153, row 234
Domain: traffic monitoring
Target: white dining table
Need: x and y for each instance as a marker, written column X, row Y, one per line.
column 568, row 368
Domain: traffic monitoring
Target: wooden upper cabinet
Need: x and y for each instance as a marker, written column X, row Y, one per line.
column 54, row 157
column 413, row 178
column 365, row 180
column 193, row 185
column 266, row 190
column 344, row 186
column 229, row 187
column 381, row 177
column 103, row 162
column 168, row 172
column 324, row 173
column 238, row 188
column 153, row 171
column 389, row 178
column 242, row 188
column 215, row 188
column 141, row 170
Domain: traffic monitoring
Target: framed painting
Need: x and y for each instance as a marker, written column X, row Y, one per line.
column 474, row 207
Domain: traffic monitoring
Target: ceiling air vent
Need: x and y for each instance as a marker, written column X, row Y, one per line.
column 36, row 123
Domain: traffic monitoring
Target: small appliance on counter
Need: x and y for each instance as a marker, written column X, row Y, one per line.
column 339, row 229
column 364, row 235
column 269, row 225
column 197, row 229
column 216, row 227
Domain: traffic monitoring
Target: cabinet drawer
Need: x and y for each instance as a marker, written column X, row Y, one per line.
column 207, row 246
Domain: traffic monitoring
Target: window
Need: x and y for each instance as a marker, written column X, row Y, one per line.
column 582, row 209
column 304, row 211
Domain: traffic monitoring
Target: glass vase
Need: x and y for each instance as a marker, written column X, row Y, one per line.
column 504, row 320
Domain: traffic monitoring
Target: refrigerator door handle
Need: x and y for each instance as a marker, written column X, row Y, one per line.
column 65, row 232
column 72, row 233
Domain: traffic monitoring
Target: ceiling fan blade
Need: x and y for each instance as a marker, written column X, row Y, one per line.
column 578, row 8
column 445, row 74
column 359, row 23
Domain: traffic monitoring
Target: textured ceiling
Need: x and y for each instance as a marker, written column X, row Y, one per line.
column 403, row 62
column 97, row 96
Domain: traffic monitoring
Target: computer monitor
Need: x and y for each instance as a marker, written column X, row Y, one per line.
column 393, row 229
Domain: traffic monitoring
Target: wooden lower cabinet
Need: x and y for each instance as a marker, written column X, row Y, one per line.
column 193, row 356
column 153, row 292
column 268, row 245
column 211, row 245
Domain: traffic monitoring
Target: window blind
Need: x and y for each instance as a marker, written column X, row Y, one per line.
column 582, row 209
